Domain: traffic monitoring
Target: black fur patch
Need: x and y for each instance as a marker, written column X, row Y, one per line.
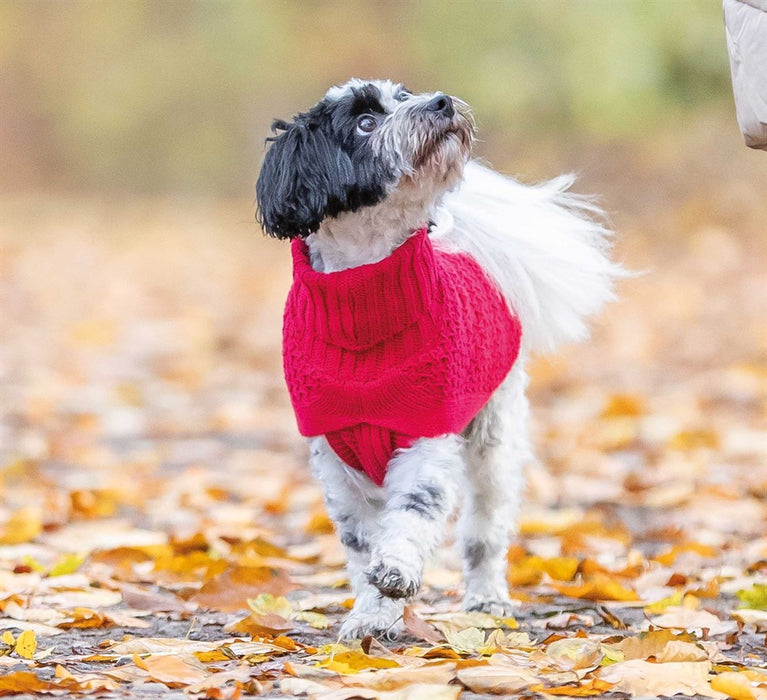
column 426, row 500
column 474, row 552
column 319, row 166
column 358, row 544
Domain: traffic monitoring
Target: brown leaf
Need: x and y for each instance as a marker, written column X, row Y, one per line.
column 419, row 628
column 172, row 670
column 18, row 682
column 230, row 590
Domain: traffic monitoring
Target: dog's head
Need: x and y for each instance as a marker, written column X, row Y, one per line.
column 361, row 145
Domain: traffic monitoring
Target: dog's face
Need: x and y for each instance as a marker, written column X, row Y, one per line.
column 361, row 144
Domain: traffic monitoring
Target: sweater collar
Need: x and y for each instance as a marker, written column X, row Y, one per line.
column 363, row 306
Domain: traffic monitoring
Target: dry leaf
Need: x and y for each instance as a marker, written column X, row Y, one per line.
column 754, row 597
column 693, row 621
column 575, row 653
column 740, row 685
column 639, row 677
column 23, row 525
column 352, row 661
column 231, row 589
column 597, row 587
column 500, row 679
column 591, row 687
column 172, row 670
column 26, row 644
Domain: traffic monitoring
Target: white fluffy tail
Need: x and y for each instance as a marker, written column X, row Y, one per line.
column 545, row 247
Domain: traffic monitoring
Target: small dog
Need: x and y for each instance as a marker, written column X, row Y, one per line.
column 422, row 281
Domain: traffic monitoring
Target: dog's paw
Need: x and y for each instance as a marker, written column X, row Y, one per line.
column 359, row 624
column 497, row 607
column 393, row 579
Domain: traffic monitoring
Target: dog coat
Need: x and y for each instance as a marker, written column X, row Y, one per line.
column 380, row 355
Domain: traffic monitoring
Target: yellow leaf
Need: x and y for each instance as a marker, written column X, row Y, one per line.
column 266, row 603
column 68, row 564
column 528, row 570
column 319, row 522
column 669, row 557
column 83, row 618
column 26, row 644
column 561, row 568
column 660, row 606
column 621, row 405
column 695, row 439
column 24, row 525
column 597, row 587
column 314, row 619
column 594, row 686
column 211, row 657
column 754, row 598
column 738, row 686
column 353, row 661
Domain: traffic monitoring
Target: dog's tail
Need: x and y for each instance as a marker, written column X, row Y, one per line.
column 547, row 249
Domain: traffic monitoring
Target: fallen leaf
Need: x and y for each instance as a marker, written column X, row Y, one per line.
column 23, row 525
column 640, row 677
column 754, row 598
column 419, row 628
column 575, row 653
column 591, row 687
column 26, row 644
column 172, row 670
column 650, row 643
column 597, row 587
column 501, row 679
column 18, row 682
column 693, row 621
column 352, row 661
column 739, row 686
column 231, row 589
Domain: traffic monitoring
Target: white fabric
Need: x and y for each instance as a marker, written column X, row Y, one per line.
column 746, row 26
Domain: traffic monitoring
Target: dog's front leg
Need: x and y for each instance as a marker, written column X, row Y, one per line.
column 354, row 504
column 421, row 490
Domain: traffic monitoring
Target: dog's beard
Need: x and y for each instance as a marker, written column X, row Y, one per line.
column 428, row 150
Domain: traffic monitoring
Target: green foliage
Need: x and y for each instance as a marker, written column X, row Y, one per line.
column 178, row 95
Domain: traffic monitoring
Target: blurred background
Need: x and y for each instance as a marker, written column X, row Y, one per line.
column 172, row 96
column 141, row 305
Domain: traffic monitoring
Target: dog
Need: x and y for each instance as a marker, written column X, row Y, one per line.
column 375, row 187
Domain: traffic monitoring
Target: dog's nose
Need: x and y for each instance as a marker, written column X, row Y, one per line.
column 442, row 104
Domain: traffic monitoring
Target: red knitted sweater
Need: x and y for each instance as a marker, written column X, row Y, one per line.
column 380, row 355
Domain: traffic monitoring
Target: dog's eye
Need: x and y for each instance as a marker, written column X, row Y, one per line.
column 366, row 123
column 402, row 95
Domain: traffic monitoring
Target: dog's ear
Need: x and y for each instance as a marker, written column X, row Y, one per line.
column 304, row 178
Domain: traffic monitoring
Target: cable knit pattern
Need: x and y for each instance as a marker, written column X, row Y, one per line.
column 380, row 355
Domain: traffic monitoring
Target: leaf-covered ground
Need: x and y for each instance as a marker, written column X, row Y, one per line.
column 160, row 535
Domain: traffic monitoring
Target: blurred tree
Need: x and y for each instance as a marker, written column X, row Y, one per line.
column 164, row 95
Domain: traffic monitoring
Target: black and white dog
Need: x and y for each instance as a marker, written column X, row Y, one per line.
column 355, row 176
